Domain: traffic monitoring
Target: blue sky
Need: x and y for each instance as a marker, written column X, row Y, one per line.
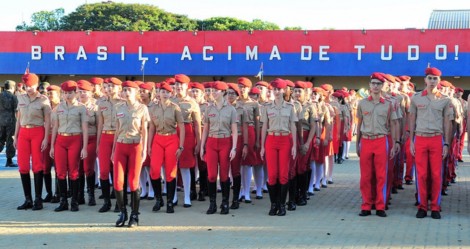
column 309, row 14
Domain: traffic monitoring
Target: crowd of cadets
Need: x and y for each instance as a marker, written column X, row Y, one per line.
column 139, row 136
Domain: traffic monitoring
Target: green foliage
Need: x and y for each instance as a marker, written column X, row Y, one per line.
column 293, row 28
column 44, row 21
column 230, row 23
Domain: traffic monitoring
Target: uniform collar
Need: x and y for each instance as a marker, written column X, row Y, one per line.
column 425, row 93
column 381, row 100
column 284, row 103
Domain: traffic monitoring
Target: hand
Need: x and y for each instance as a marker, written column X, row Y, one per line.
column 304, row 149
column 112, row 157
column 261, row 153
column 293, row 152
column 197, row 149
column 201, row 154
column 445, row 151
column 44, row 144
column 325, row 142
column 233, row 153
column 358, row 149
column 178, row 153
column 244, row 152
column 84, row 153
column 51, row 152
column 412, row 148
column 394, row 151
column 257, row 146
column 15, row 143
column 317, row 141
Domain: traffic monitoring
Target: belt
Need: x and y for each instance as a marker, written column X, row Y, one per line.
column 30, row 126
column 165, row 134
column 373, row 136
column 277, row 134
column 128, row 141
column 111, row 132
column 251, row 124
column 428, row 134
column 219, row 135
column 69, row 134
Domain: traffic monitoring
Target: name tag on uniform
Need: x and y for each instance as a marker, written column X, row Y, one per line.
column 366, row 113
column 120, row 115
column 421, row 106
column 211, row 115
column 104, row 108
column 60, row 111
column 272, row 114
column 21, row 105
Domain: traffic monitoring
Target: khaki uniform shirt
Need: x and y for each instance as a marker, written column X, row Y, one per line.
column 202, row 109
column 241, row 116
column 308, row 115
column 165, row 118
column 107, row 110
column 375, row 116
column 188, row 106
column 220, row 121
column 130, row 121
column 252, row 109
column 430, row 113
column 70, row 117
column 33, row 112
column 92, row 111
column 458, row 110
column 279, row 118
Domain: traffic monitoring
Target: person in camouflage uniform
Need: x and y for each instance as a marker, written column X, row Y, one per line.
column 8, row 104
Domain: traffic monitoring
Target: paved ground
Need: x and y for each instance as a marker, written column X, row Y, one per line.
column 330, row 220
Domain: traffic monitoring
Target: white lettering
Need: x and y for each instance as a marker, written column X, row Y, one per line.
column 382, row 53
column 59, row 52
column 275, row 54
column 186, row 54
column 441, row 52
column 36, row 53
column 252, row 54
column 81, row 53
column 123, row 53
column 323, row 54
column 413, row 52
column 359, row 51
column 306, row 53
column 141, row 58
column 102, row 52
column 229, row 53
column 204, row 53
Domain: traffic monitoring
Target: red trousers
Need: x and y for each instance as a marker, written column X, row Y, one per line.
column 391, row 167
column 293, row 164
column 410, row 161
column 252, row 158
column 164, row 152
column 235, row 164
column 104, row 156
column 278, row 156
column 67, row 156
column 218, row 154
column 462, row 141
column 29, row 147
column 88, row 164
column 47, row 158
column 187, row 158
column 303, row 161
column 428, row 159
column 127, row 158
column 374, row 158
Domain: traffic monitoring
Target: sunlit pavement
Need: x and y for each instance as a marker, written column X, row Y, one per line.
column 330, row 220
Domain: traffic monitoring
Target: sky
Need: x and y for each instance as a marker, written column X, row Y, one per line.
column 308, row 14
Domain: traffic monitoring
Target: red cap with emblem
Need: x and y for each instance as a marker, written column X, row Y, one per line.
column 147, row 86
column 300, row 84
column 255, row 90
column 389, row 77
column 245, row 82
column 68, row 86
column 53, row 88
column 289, row 83
column 166, row 86
column 327, row 87
column 130, row 84
column 170, row 81
column 405, row 78
column 338, row 94
column 84, row 85
column 138, row 82
column 279, row 83
column 432, row 71
column 219, row 85
column 309, row 84
column 458, row 90
column 262, row 83
column 234, row 87
column 30, row 79
column 96, row 81
column 197, row 85
column 377, row 76
column 115, row 81
column 182, row 78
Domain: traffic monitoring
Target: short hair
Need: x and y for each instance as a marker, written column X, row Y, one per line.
column 9, row 84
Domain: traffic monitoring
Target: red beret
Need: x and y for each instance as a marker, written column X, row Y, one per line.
column 19, row 85
column 114, row 81
column 327, row 87
column 338, row 94
column 279, row 83
column 166, row 86
column 452, row 86
column 157, row 85
column 170, row 81
column 404, row 78
column 85, row 85
column 182, row 78
column 69, row 86
column 309, row 84
column 234, row 87
column 207, row 84
column 96, row 81
column 412, row 85
column 139, row 82
column 53, row 88
column 130, row 84
column 245, row 82
column 458, row 89
column 197, row 85
column 433, row 71
column 378, row 76
column 262, row 83
column 30, row 79
column 352, row 92
column 147, row 86
column 344, row 89
column 389, row 77
column 289, row 83
column 219, row 85
column 320, row 91
column 300, row 84
column 255, row 90
column 345, row 93
column 397, row 79
column 445, row 83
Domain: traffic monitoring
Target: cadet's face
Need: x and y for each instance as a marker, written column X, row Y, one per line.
column 52, row 95
column 31, row 89
column 315, row 96
column 128, row 93
column 432, row 81
column 243, row 89
column 164, row 94
column 298, row 93
column 216, row 94
column 278, row 92
column 254, row 96
column 376, row 86
column 69, row 96
column 263, row 90
column 84, row 95
column 144, row 94
column 181, row 88
column 231, row 95
column 197, row 93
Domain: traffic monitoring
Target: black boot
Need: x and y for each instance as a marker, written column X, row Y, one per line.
column 26, row 183
column 48, row 185
column 64, row 204
column 105, row 188
column 10, row 163
column 81, row 190
column 75, row 192
column 283, row 189
column 135, row 202
column 202, row 185
column 302, row 187
column 193, row 192
column 224, row 209
column 157, row 189
column 90, row 182
column 123, row 211
column 291, row 206
column 212, row 190
column 38, row 178
column 273, row 193
column 237, row 181
column 69, row 191
column 170, row 189
column 56, row 197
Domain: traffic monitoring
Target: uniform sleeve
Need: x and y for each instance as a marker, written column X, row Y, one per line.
column 206, row 119
column 146, row 115
column 46, row 107
column 178, row 115
column 449, row 110
column 359, row 111
column 312, row 115
column 293, row 115
column 83, row 114
column 233, row 116
column 263, row 116
column 54, row 114
column 413, row 108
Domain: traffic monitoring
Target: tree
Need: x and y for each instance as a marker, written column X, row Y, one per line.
column 230, row 23
column 293, row 28
column 44, row 21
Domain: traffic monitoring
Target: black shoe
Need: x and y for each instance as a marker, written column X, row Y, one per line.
column 381, row 213
column 235, row 205
column 193, row 196
column 408, row 182
column 242, row 199
column 74, row 206
column 169, row 208
column 435, row 214
column 248, row 201
column 37, row 205
column 133, row 221
column 444, row 192
column 253, row 191
column 394, row 190
column 302, row 201
column 400, row 187
column 421, row 213
column 274, row 209
column 212, row 208
column 364, row 213
column 91, row 200
column 311, row 193
column 187, row 205
column 291, row 206
column 10, row 163
column 460, row 161
column 121, row 221
column 158, row 205
column 144, row 197
column 55, row 199
column 150, row 198
column 324, row 186
column 64, row 205
column 329, row 182
column 201, row 196
column 106, row 206
column 48, row 198
column 258, row 197
column 453, row 180
column 282, row 210
column 224, row 209
column 28, row 203
column 265, row 191
column 316, row 189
